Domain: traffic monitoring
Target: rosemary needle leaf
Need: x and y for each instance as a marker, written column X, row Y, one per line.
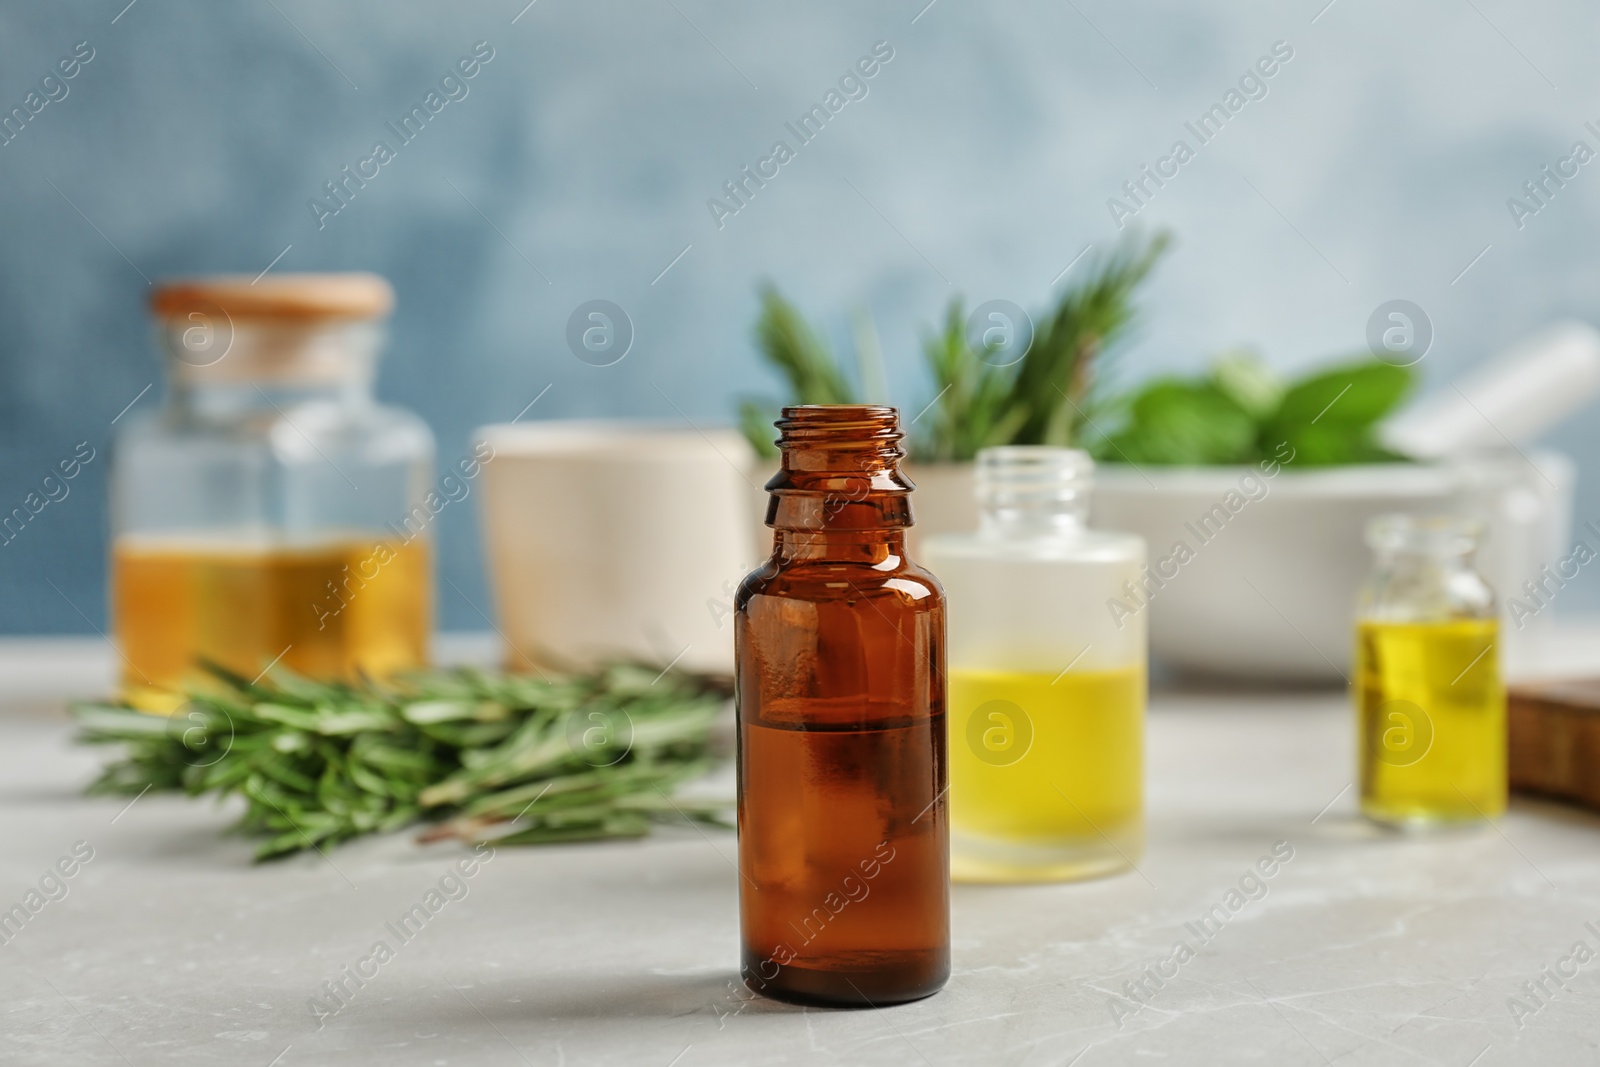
column 501, row 757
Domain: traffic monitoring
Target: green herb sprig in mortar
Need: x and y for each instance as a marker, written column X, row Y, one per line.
column 507, row 758
column 1045, row 397
column 1241, row 412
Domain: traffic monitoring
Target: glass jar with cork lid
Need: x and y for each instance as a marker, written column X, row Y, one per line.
column 271, row 511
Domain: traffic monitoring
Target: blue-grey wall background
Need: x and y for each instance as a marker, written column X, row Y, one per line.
column 1377, row 166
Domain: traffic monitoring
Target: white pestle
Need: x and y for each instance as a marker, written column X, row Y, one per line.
column 1516, row 396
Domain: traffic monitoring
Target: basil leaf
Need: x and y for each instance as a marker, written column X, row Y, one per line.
column 1172, row 421
column 1356, row 394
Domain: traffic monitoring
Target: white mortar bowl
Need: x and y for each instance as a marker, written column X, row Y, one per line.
column 1271, row 594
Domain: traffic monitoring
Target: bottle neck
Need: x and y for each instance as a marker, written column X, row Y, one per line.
column 1425, row 587
column 839, row 480
column 1406, row 563
column 1424, row 545
column 1028, row 492
column 234, row 370
column 1425, row 570
column 884, row 548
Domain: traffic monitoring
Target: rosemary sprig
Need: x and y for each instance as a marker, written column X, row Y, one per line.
column 808, row 366
column 502, row 757
column 1047, row 396
column 973, row 408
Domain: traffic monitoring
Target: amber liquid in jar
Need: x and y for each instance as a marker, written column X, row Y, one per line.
column 843, row 825
column 334, row 609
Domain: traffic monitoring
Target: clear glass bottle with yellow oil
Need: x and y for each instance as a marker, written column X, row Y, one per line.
column 1046, row 682
column 270, row 511
column 1430, row 706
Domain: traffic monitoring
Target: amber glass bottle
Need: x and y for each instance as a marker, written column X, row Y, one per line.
column 843, row 831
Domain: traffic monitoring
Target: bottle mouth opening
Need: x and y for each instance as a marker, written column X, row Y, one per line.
column 839, row 426
column 1436, row 535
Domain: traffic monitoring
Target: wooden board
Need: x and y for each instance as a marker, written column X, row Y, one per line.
column 1555, row 739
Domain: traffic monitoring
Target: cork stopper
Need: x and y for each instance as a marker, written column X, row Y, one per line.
column 283, row 329
column 286, row 298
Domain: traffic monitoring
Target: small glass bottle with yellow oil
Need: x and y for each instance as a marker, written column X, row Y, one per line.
column 1430, row 707
column 1046, row 682
column 271, row 511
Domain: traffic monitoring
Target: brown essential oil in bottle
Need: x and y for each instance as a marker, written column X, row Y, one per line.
column 840, row 643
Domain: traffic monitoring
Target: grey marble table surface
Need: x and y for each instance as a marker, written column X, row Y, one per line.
column 165, row 945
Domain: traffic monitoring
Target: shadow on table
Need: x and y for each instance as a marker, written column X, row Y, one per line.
column 556, row 998
column 1555, row 810
column 1208, row 832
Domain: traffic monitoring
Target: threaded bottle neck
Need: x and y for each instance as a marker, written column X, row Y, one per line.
column 1447, row 541
column 1033, row 490
column 840, row 470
